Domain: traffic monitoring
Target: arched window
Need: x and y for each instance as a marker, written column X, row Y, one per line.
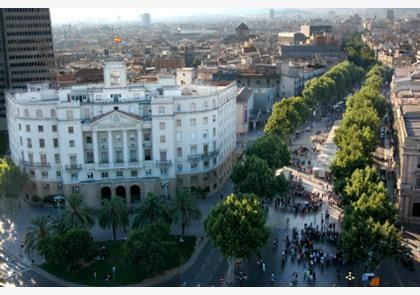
column 26, row 113
column 53, row 114
column 38, row 113
column 192, row 107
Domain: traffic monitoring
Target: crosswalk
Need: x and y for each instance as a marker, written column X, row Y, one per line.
column 11, row 265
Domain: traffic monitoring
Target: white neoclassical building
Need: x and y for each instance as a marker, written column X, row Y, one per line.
column 122, row 139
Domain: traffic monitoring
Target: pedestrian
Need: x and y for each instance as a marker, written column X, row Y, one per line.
column 263, row 266
column 272, row 278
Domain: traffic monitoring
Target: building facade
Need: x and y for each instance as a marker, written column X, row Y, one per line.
column 122, row 139
column 26, row 50
column 405, row 98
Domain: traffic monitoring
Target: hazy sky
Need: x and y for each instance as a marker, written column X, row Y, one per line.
column 65, row 15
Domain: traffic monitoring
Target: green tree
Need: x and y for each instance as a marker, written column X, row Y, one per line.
column 253, row 175
column 272, row 149
column 113, row 214
column 70, row 249
column 150, row 246
column 184, row 208
column 12, row 182
column 237, row 228
column 39, row 228
column 151, row 210
column 77, row 214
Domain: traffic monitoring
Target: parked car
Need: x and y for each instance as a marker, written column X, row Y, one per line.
column 55, row 201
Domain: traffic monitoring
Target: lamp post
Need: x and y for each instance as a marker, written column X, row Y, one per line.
column 350, row 277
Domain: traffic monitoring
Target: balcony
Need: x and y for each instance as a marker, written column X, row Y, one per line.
column 194, row 157
column 214, row 153
column 163, row 162
column 73, row 167
column 36, row 164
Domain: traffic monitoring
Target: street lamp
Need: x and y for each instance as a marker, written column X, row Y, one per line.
column 350, row 277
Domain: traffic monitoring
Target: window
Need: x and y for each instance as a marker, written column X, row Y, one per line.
column 39, row 114
column 192, row 122
column 178, row 123
column 163, row 171
column 118, row 156
column 214, row 131
column 194, row 165
column 214, row 103
column 178, row 137
column 70, row 129
column 146, row 136
column 58, row 173
column 161, row 110
column 52, row 112
column 20, row 127
column 69, row 115
column 46, row 186
column 133, row 155
column 148, row 172
column 179, row 167
column 205, row 120
column 75, row 189
column 147, row 155
column 178, row 107
column 104, row 174
column 193, row 135
column 54, row 128
column 194, row 178
column 26, row 112
column 55, row 142
column 42, row 143
column 44, row 174
column 416, row 209
column 214, row 118
column 179, row 152
column 206, row 164
column 88, row 139
column 21, row 140
column 43, row 158
column 28, row 128
column 89, row 157
column 71, row 143
column 40, row 128
column 74, row 176
column 90, row 175
column 119, row 173
column 193, row 149
column 192, row 107
column 57, row 158
column 162, row 125
column 163, row 155
column 162, row 139
column 205, row 105
column 134, row 173
column 32, row 172
column 205, row 134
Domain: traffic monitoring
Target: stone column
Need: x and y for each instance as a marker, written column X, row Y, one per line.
column 125, row 147
column 140, row 146
column 95, row 147
column 110, row 149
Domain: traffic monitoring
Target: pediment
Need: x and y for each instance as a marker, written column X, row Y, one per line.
column 116, row 119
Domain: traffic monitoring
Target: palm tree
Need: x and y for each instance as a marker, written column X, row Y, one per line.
column 114, row 214
column 184, row 208
column 77, row 214
column 150, row 210
column 40, row 227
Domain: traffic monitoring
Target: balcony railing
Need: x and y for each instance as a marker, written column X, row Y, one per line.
column 73, row 167
column 36, row 164
column 163, row 162
column 214, row 153
column 194, row 157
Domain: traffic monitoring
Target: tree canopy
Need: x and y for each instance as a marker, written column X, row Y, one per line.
column 272, row 149
column 237, row 226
